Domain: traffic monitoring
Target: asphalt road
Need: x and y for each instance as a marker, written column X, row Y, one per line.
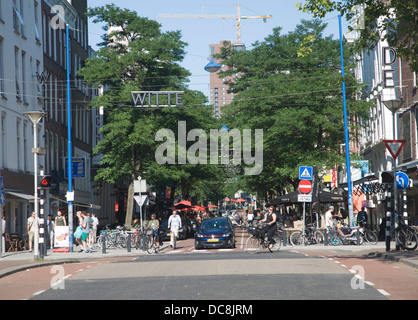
column 220, row 276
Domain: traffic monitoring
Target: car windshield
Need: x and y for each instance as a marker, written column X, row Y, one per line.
column 214, row 224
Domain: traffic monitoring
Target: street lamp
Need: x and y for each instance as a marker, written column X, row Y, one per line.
column 35, row 117
column 393, row 105
column 212, row 66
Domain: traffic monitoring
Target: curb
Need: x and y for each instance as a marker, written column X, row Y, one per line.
column 391, row 257
column 9, row 271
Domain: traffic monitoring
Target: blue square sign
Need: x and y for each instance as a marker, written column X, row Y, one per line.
column 305, row 173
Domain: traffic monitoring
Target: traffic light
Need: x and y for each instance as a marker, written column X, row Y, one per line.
column 387, row 177
column 45, row 182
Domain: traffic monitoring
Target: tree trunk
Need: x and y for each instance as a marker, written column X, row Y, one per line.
column 129, row 205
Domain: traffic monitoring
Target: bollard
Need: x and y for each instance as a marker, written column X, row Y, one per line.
column 103, row 243
column 358, row 236
column 284, row 238
column 325, row 237
column 128, row 245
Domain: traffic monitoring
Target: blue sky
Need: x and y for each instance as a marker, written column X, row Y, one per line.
column 199, row 33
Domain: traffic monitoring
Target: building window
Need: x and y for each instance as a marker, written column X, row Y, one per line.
column 18, row 158
column 24, row 77
column 3, row 131
column 17, row 74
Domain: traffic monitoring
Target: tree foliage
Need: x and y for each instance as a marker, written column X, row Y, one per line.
column 136, row 55
column 290, row 86
column 395, row 21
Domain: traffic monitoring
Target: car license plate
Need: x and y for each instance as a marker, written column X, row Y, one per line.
column 213, row 240
column 168, row 234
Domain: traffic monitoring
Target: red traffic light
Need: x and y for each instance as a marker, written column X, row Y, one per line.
column 46, row 182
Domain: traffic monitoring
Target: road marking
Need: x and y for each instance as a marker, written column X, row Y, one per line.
column 39, row 292
column 383, row 292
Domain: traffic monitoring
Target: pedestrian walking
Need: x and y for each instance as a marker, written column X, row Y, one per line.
column 95, row 224
column 50, row 225
column 31, row 228
column 362, row 217
column 86, row 229
column 174, row 223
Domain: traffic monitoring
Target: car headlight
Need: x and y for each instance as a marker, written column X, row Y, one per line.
column 199, row 235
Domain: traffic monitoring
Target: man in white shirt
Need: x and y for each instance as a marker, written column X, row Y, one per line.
column 328, row 217
column 174, row 223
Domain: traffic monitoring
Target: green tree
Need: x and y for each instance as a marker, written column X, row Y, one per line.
column 290, row 86
column 136, row 55
column 395, row 21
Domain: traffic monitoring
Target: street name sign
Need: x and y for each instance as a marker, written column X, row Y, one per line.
column 144, row 99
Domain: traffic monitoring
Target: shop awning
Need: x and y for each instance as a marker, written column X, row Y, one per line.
column 24, row 196
column 79, row 203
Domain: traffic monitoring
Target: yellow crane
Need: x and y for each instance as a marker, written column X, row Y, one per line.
column 238, row 17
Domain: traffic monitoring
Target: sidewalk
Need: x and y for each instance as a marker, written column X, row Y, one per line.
column 11, row 262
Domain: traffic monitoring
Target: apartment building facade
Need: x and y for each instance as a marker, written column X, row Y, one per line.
column 219, row 96
column 21, row 57
column 387, row 77
column 33, row 76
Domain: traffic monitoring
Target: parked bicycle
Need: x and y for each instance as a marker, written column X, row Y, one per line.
column 406, row 236
column 256, row 241
column 311, row 236
column 113, row 238
column 369, row 235
column 348, row 236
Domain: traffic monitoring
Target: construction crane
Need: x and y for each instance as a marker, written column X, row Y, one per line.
column 238, row 17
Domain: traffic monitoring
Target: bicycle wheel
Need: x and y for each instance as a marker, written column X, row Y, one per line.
column 296, row 238
column 252, row 245
column 277, row 245
column 407, row 238
column 122, row 241
column 150, row 245
column 371, row 236
column 319, row 237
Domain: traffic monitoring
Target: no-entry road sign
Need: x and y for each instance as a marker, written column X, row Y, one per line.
column 305, row 186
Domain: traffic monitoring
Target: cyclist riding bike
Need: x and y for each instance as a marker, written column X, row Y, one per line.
column 154, row 224
column 174, row 224
column 270, row 228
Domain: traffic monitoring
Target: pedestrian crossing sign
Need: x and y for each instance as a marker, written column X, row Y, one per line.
column 305, row 173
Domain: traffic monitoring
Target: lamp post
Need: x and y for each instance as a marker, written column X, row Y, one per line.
column 346, row 135
column 393, row 105
column 35, row 117
column 212, row 66
column 70, row 192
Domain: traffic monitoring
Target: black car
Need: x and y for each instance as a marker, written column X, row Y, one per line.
column 185, row 232
column 215, row 233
